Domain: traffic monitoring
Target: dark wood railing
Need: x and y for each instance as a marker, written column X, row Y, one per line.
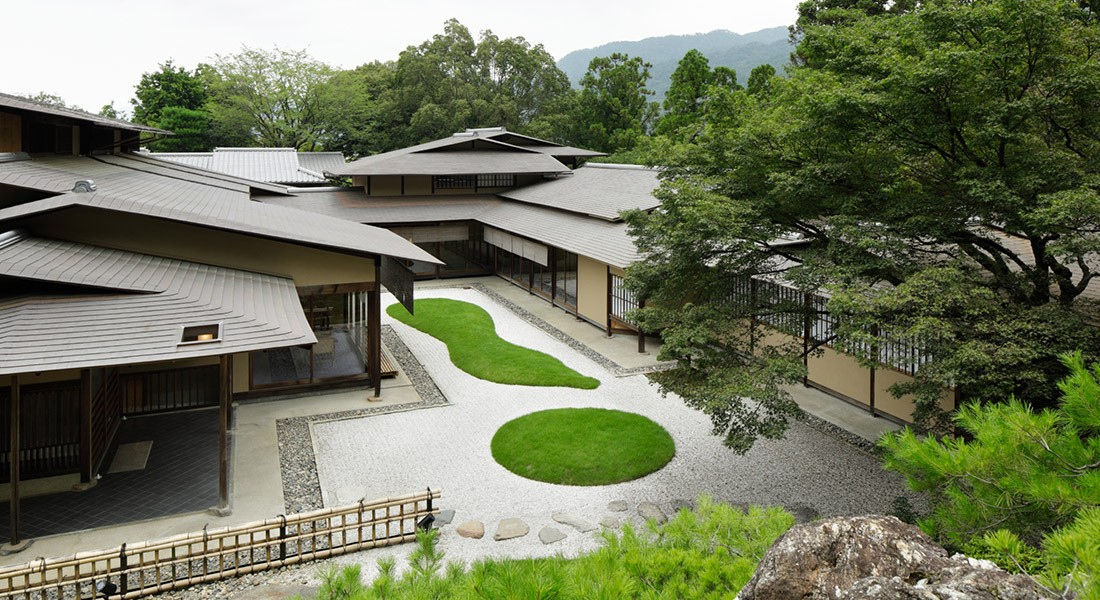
column 49, row 426
column 176, row 389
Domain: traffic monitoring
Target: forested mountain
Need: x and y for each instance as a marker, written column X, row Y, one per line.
column 740, row 52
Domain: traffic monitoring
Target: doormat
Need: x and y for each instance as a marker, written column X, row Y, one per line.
column 131, row 457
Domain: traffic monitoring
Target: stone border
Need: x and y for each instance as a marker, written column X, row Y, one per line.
column 297, row 461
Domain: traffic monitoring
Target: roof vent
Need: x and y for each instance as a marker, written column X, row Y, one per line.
column 201, row 334
column 84, row 186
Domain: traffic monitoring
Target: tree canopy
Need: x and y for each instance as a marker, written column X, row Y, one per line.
column 271, row 98
column 613, row 108
column 169, row 86
column 934, row 169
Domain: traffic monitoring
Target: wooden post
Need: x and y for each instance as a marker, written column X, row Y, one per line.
column 807, row 332
column 86, row 459
column 374, row 335
column 225, row 394
column 15, row 541
column 610, row 302
column 874, row 349
column 641, row 334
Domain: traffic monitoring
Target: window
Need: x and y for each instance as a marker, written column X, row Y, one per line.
column 452, row 182
column 201, row 334
column 495, row 181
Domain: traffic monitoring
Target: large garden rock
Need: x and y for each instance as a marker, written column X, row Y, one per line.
column 575, row 522
column 471, row 529
column 649, row 510
column 876, row 557
column 617, row 506
column 549, row 535
column 510, row 528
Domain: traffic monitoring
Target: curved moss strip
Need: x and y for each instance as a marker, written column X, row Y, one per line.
column 582, row 446
column 475, row 347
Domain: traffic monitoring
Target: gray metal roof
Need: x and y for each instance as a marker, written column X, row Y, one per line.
column 59, row 173
column 319, row 162
column 276, row 165
column 352, row 204
column 21, row 103
column 139, row 160
column 596, row 189
column 172, row 196
column 251, row 218
column 78, row 329
column 453, row 162
column 474, row 151
column 595, row 238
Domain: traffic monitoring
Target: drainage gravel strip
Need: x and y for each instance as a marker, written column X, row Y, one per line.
column 301, row 488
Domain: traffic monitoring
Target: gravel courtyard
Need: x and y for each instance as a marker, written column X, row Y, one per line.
column 447, row 448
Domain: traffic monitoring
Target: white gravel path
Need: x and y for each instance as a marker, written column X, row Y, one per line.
column 447, row 448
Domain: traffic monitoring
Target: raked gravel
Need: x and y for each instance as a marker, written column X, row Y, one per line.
column 446, row 447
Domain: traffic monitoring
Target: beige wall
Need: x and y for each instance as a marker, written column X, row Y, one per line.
column 306, row 266
column 901, row 408
column 240, row 372
column 11, row 133
column 842, row 374
column 418, row 185
column 592, row 289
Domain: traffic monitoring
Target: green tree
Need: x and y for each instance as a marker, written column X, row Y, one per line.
column 688, row 89
column 170, row 85
column 760, row 80
column 272, row 98
column 935, row 170
column 110, row 111
column 52, row 100
column 354, row 111
column 613, row 109
column 1016, row 478
column 191, row 129
column 452, row 82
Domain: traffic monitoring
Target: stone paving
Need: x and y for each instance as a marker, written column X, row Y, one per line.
column 448, row 448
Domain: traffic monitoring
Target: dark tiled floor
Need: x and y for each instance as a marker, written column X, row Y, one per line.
column 180, row 476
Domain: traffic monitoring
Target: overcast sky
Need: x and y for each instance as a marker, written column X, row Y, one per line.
column 92, row 52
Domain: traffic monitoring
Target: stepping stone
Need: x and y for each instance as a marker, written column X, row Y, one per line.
column 472, row 529
column 617, row 506
column 681, row 504
column 444, row 517
column 611, row 522
column 549, row 535
column 510, row 528
column 577, row 523
column 649, row 510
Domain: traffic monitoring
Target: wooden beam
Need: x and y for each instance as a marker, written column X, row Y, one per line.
column 87, row 461
column 14, row 461
column 374, row 337
column 225, row 394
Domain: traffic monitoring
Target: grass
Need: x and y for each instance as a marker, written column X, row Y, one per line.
column 582, row 446
column 707, row 553
column 475, row 347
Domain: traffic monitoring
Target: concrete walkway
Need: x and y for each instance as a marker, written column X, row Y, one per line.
column 256, row 485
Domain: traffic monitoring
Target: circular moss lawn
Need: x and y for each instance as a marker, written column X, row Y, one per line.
column 582, row 446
